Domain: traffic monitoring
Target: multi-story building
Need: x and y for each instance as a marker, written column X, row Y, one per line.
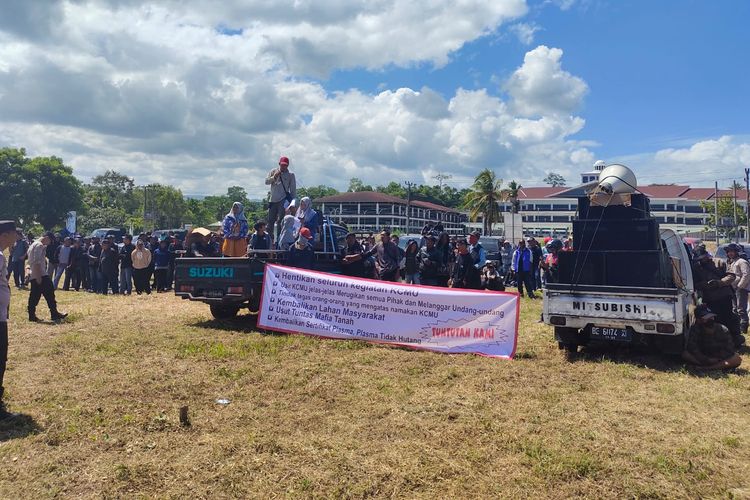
column 366, row 211
column 549, row 210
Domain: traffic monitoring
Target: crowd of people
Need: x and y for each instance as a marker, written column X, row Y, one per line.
column 103, row 265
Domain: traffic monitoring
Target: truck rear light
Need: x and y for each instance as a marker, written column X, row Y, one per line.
column 235, row 289
column 557, row 320
column 649, row 327
column 186, row 288
column 664, row 328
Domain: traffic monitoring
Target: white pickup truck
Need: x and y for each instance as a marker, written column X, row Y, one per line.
column 582, row 314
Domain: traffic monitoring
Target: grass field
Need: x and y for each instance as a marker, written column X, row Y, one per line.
column 100, row 398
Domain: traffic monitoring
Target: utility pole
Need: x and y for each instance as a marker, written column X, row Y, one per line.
column 716, row 211
column 734, row 208
column 747, row 203
column 409, row 185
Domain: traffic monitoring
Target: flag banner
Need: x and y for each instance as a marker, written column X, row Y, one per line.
column 447, row 320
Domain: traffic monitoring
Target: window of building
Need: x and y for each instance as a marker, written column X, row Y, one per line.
column 692, row 209
column 543, row 208
column 560, row 218
column 657, row 207
column 349, row 208
column 560, row 208
column 670, row 207
column 693, row 221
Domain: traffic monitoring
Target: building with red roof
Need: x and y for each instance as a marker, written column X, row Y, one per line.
column 365, row 211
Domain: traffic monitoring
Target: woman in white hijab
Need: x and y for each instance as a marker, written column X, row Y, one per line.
column 307, row 216
column 288, row 233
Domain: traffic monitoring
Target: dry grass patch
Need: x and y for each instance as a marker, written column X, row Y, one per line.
column 309, row 418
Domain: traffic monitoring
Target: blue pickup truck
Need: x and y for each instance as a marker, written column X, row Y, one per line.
column 228, row 284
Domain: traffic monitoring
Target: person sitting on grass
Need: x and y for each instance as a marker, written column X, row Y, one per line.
column 492, row 279
column 710, row 345
column 260, row 240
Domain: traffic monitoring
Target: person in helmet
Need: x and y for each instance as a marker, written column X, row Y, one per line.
column 739, row 266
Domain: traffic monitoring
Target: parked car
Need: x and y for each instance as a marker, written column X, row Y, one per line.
column 492, row 247
column 104, row 232
column 721, row 254
column 180, row 234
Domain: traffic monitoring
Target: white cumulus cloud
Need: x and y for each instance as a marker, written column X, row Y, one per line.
column 203, row 95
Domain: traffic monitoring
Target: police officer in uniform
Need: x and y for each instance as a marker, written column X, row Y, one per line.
column 7, row 238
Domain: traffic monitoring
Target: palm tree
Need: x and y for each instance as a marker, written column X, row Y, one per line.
column 483, row 199
column 510, row 194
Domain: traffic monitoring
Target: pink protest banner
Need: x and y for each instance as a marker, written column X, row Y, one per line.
column 446, row 320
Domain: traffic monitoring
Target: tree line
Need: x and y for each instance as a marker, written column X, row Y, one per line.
column 40, row 192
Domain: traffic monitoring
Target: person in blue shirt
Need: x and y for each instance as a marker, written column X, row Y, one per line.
column 477, row 251
column 161, row 259
column 523, row 267
column 260, row 240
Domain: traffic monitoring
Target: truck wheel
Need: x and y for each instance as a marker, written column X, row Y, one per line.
column 219, row 311
column 670, row 344
column 567, row 335
column 570, row 351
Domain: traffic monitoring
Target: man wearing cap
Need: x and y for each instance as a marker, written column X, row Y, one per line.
column 477, row 251
column 741, row 270
column 7, row 238
column 283, row 193
column 715, row 286
column 41, row 284
column 710, row 344
column 522, row 266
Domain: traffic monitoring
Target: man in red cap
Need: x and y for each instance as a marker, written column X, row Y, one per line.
column 283, row 193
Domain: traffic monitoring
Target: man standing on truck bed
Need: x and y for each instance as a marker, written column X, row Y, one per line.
column 715, row 285
column 283, row 192
column 710, row 344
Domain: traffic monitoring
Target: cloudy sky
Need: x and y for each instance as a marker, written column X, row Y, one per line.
column 206, row 94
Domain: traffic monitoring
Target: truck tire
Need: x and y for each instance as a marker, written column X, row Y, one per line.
column 568, row 336
column 670, row 344
column 221, row 311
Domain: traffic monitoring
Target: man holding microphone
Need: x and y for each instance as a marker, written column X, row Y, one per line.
column 283, row 193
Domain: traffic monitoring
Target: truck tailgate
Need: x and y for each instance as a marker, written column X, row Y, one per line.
column 615, row 307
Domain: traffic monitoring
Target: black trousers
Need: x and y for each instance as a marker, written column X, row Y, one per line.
column 140, row 278
column 3, row 353
column 47, row 289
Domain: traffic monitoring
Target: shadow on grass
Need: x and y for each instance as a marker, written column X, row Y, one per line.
column 17, row 427
column 246, row 323
column 645, row 357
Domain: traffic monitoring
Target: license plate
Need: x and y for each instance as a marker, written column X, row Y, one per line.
column 214, row 293
column 616, row 334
